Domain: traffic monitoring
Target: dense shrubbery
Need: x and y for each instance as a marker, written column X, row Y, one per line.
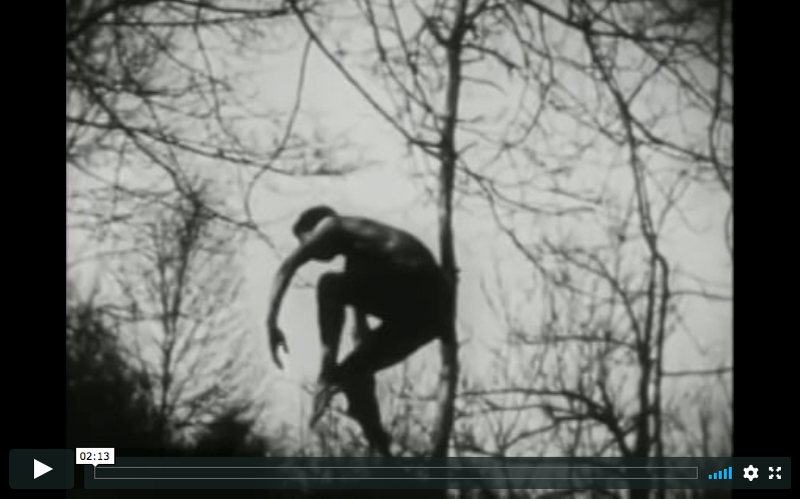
column 109, row 402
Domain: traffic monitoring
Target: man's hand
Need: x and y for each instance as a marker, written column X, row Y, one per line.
column 276, row 341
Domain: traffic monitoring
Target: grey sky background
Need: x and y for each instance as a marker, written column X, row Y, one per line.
column 390, row 186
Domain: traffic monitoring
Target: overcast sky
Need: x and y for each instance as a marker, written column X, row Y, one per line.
column 388, row 190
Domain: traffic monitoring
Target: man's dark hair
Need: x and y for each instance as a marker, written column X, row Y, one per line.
column 310, row 218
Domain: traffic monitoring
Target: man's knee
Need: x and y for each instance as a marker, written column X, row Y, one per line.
column 329, row 284
column 332, row 288
column 392, row 343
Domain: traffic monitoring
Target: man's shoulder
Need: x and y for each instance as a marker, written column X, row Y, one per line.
column 342, row 228
column 361, row 226
column 372, row 230
column 382, row 235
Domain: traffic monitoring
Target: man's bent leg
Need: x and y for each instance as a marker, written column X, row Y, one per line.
column 388, row 345
column 331, row 303
column 362, row 398
column 363, row 406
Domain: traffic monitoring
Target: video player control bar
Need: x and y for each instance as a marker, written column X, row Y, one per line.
column 432, row 473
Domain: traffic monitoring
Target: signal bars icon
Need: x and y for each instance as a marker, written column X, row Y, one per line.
column 722, row 475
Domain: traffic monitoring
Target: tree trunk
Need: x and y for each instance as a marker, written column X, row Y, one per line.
column 448, row 380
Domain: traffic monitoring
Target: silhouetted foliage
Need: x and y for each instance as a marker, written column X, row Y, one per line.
column 107, row 401
column 109, row 404
column 231, row 434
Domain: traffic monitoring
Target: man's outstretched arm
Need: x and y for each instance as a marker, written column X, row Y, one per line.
column 312, row 248
column 276, row 337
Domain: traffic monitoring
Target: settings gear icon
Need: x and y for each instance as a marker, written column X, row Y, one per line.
column 750, row 472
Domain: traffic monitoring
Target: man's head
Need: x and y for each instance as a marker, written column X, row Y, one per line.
column 309, row 220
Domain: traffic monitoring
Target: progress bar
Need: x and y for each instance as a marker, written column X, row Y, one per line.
column 430, row 473
column 395, row 473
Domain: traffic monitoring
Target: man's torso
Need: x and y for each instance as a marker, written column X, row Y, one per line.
column 394, row 272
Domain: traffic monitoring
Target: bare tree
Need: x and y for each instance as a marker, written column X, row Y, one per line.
column 156, row 106
column 583, row 128
column 178, row 289
column 158, row 94
column 439, row 35
column 580, row 86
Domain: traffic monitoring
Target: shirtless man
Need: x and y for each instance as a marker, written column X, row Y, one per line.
column 389, row 274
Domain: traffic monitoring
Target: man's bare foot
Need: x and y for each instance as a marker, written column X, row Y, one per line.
column 322, row 399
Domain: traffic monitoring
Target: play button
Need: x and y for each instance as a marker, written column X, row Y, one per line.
column 39, row 469
column 52, row 468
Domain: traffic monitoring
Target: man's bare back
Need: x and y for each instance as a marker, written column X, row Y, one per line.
column 387, row 270
column 388, row 273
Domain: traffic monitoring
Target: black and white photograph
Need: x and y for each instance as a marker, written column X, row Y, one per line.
column 402, row 228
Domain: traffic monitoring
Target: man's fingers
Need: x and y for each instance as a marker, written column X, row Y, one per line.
column 277, row 340
column 276, row 358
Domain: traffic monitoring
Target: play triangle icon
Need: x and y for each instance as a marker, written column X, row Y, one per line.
column 39, row 469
